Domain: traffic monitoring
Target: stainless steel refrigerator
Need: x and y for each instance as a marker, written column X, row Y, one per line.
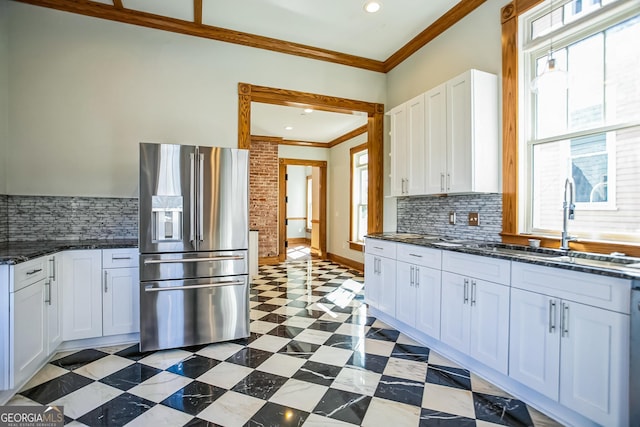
column 193, row 240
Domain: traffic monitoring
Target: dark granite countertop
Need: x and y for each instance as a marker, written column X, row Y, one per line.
column 569, row 260
column 17, row 252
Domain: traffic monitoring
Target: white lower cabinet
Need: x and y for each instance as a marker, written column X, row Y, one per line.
column 29, row 332
column 570, row 339
column 475, row 319
column 418, row 288
column 121, row 292
column 380, row 283
column 82, row 294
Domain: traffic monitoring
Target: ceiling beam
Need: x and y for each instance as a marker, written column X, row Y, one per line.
column 197, row 11
column 442, row 24
column 149, row 20
column 347, row 136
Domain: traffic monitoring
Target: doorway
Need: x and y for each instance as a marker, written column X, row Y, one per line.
column 291, row 222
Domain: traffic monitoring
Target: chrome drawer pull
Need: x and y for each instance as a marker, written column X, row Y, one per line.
column 117, row 258
column 208, row 285
column 29, row 273
column 170, row 261
column 417, row 256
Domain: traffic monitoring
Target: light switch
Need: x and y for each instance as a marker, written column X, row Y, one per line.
column 452, row 218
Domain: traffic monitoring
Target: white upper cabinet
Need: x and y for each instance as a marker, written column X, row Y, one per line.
column 446, row 140
column 398, row 134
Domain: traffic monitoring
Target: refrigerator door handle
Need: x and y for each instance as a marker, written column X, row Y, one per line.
column 201, row 197
column 208, row 285
column 180, row 260
column 192, row 208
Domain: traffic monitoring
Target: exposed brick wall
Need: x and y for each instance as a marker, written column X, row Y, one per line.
column 263, row 195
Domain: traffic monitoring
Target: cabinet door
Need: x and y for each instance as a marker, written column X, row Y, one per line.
column 82, row 294
column 534, row 341
column 594, row 363
column 387, row 272
column 415, row 145
column 428, row 301
column 371, row 280
column 459, row 148
column 121, row 301
column 489, row 342
column 435, row 140
column 53, row 305
column 406, row 293
column 398, row 135
column 29, row 331
column 455, row 311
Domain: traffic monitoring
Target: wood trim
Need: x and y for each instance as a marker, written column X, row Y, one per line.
column 442, row 24
column 197, row 11
column 268, row 260
column 149, row 20
column 356, row 246
column 509, row 119
column 510, row 231
column 118, row 4
column 315, row 221
column 248, row 93
column 303, row 143
column 346, row 262
column 261, row 138
column 297, row 218
column 299, row 240
column 316, row 101
column 349, row 135
column 282, row 207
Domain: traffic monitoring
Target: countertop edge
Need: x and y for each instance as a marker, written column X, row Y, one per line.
column 12, row 253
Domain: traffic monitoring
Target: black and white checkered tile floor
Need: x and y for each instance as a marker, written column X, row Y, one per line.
column 314, row 358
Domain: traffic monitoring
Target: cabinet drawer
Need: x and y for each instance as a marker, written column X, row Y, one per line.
column 486, row 268
column 593, row 289
column 419, row 255
column 380, row 247
column 29, row 272
column 116, row 258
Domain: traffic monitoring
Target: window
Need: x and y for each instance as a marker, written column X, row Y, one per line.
column 582, row 121
column 359, row 192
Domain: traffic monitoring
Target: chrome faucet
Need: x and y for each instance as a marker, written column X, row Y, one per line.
column 568, row 210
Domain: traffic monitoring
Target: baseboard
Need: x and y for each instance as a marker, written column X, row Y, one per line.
column 346, row 261
column 299, row 241
column 268, row 260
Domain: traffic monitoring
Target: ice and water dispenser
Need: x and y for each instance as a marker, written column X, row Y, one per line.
column 166, row 218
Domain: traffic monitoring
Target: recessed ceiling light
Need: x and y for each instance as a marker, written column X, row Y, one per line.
column 288, row 128
column 372, row 6
column 308, row 110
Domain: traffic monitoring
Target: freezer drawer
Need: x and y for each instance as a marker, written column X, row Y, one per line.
column 192, row 265
column 179, row 313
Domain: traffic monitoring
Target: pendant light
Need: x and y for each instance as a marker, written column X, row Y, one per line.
column 552, row 76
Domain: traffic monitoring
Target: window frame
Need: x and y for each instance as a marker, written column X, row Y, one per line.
column 511, row 157
column 353, row 152
column 527, row 51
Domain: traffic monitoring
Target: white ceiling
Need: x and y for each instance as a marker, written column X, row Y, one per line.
column 337, row 25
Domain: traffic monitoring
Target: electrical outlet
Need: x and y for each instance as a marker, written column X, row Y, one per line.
column 452, row 218
column 474, row 218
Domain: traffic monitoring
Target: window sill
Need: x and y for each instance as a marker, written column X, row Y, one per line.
column 356, row 246
column 581, row 245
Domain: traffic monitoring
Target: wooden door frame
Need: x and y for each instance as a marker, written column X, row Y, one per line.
column 248, row 93
column 282, row 204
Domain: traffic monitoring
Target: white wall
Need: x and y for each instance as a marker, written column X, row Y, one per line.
column 474, row 42
column 85, row 92
column 338, row 200
column 303, row 153
column 4, row 91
